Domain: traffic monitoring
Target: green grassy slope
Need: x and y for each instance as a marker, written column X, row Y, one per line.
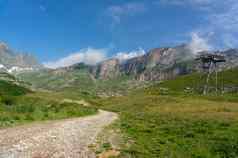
column 79, row 82
column 20, row 105
column 53, row 81
column 175, row 126
column 195, row 81
column 9, row 85
column 24, row 109
column 11, row 89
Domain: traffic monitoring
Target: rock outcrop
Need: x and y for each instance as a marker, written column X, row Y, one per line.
column 157, row 64
column 106, row 70
column 12, row 61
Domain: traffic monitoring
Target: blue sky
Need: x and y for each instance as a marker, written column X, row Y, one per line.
column 61, row 31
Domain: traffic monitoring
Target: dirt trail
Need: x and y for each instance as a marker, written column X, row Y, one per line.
column 54, row 139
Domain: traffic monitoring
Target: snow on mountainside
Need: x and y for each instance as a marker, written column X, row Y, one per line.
column 157, row 64
column 16, row 69
column 14, row 62
column 112, row 77
column 2, row 66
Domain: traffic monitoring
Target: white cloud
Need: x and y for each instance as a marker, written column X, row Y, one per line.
column 224, row 23
column 226, row 20
column 218, row 16
column 198, row 43
column 195, row 3
column 117, row 12
column 123, row 56
column 88, row 56
column 91, row 56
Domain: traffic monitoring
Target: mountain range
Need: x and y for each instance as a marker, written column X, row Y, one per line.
column 159, row 64
column 11, row 61
column 110, row 75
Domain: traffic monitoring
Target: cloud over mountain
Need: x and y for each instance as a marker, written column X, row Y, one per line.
column 89, row 56
column 221, row 19
column 92, row 56
column 198, row 43
column 122, row 56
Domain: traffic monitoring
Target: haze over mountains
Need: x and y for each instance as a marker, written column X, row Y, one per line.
column 157, row 64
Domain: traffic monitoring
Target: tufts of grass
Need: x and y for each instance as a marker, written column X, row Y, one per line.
column 193, row 84
column 175, row 126
column 33, row 107
column 10, row 89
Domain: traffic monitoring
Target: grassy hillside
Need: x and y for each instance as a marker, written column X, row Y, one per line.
column 79, row 82
column 163, row 120
column 7, row 88
column 226, row 79
column 156, row 125
column 20, row 105
column 56, row 80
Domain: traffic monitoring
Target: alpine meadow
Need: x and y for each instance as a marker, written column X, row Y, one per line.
column 119, row 79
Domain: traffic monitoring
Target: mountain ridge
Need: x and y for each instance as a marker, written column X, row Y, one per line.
column 13, row 62
column 157, row 64
column 113, row 75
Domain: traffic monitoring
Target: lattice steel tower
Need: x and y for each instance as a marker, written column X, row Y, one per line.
column 209, row 63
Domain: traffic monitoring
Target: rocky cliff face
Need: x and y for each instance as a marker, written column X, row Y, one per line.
column 106, row 70
column 11, row 61
column 159, row 64
column 156, row 65
column 231, row 58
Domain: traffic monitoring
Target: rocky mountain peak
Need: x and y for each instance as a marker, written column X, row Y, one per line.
column 107, row 69
column 13, row 61
column 5, row 50
column 3, row 46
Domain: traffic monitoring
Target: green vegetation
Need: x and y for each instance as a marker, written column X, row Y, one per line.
column 19, row 105
column 226, row 79
column 7, row 88
column 166, row 121
column 169, row 119
column 79, row 82
column 175, row 126
column 27, row 109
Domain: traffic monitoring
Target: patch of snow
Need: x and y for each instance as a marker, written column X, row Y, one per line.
column 2, row 66
column 16, row 69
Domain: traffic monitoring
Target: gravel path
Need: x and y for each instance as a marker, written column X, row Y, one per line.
column 54, row 139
